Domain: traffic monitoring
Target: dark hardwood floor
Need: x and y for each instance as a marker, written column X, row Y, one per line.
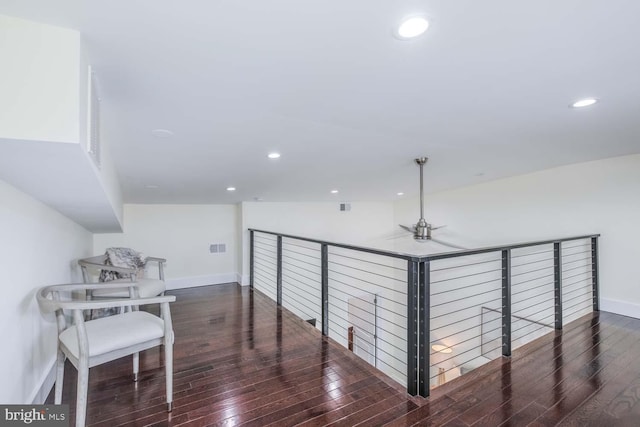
column 239, row 360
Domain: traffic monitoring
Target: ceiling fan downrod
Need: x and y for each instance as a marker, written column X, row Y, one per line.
column 422, row 230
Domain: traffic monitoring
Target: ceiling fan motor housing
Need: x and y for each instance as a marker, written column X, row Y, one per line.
column 422, row 230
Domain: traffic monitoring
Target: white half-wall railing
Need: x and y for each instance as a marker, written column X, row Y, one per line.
column 424, row 320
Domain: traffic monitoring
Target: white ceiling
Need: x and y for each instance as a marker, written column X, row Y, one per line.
column 485, row 90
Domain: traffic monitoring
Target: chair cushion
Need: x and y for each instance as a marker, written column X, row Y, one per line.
column 146, row 287
column 115, row 332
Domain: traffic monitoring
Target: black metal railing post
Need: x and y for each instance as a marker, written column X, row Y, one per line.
column 557, row 283
column 324, row 277
column 594, row 274
column 506, row 302
column 251, row 241
column 279, row 270
column 413, row 273
column 424, row 359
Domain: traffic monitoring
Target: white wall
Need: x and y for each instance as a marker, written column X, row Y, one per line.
column 38, row 247
column 594, row 197
column 366, row 221
column 181, row 234
column 39, row 81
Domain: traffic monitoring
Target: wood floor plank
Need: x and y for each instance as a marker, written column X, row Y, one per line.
column 240, row 360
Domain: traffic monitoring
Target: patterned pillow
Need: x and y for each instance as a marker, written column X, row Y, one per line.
column 123, row 257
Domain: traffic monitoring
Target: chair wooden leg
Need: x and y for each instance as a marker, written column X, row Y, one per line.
column 168, row 361
column 59, row 377
column 83, row 385
column 136, row 365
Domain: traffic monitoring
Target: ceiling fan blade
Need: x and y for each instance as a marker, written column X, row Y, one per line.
column 451, row 245
column 438, row 227
column 398, row 236
column 409, row 229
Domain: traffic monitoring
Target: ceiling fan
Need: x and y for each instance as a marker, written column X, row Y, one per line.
column 422, row 229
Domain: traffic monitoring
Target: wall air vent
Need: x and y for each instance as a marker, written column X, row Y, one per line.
column 217, row 248
column 345, row 207
column 93, row 119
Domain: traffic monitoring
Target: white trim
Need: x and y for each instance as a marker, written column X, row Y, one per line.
column 242, row 279
column 40, row 394
column 620, row 307
column 195, row 281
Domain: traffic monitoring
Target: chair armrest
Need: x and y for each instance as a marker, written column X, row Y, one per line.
column 49, row 305
column 160, row 262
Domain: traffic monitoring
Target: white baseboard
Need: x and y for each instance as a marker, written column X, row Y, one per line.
column 194, row 281
column 243, row 280
column 39, row 395
column 620, row 307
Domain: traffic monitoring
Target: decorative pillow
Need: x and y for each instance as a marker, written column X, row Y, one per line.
column 119, row 257
column 123, row 257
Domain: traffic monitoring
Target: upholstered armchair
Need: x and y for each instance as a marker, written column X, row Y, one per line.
column 94, row 342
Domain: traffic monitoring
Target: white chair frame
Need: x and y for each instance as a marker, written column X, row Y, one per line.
column 49, row 300
column 98, row 263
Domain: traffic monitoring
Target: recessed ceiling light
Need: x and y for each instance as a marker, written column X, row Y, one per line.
column 334, row 191
column 412, row 27
column 151, row 186
column 584, row 102
column 162, row 133
column 231, row 188
column 400, row 194
column 274, row 155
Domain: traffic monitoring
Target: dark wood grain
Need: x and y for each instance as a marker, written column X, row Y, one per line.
column 239, row 360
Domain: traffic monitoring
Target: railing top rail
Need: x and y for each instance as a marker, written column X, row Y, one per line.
column 466, row 252
column 392, row 254
column 433, row 257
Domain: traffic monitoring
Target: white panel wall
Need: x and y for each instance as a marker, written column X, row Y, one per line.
column 181, row 234
column 595, row 197
column 38, row 247
column 366, row 221
column 39, row 81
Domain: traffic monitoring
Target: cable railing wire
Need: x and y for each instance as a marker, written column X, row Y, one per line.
column 288, row 242
column 466, row 308
column 435, row 270
column 587, row 265
column 564, row 255
column 531, row 262
column 295, row 282
column 332, row 279
column 466, row 297
column 368, row 272
column 366, row 291
column 531, row 271
column 333, row 254
column 465, row 287
column 532, row 280
column 290, row 256
column 533, row 253
column 530, row 289
column 367, row 281
column 435, row 282
column 577, row 260
column 386, row 320
column 577, row 282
